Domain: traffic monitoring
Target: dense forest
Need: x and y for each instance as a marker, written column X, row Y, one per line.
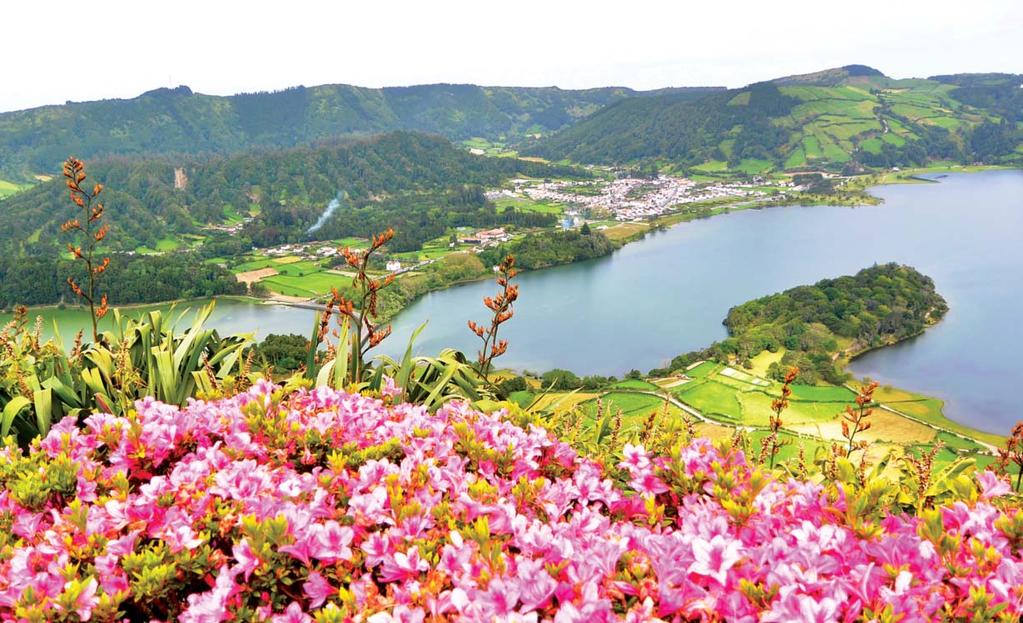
column 418, row 184
column 552, row 248
column 679, row 129
column 837, row 119
column 139, row 279
column 816, row 324
column 178, row 121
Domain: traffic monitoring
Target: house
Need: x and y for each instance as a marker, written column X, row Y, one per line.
column 393, row 266
column 492, row 235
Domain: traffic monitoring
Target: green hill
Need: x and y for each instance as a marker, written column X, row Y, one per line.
column 419, row 184
column 178, row 121
column 852, row 115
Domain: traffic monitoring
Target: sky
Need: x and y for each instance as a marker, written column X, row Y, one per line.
column 57, row 51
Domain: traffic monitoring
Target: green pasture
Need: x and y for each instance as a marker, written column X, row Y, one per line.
column 9, row 188
column 713, row 399
column 704, row 369
column 636, row 384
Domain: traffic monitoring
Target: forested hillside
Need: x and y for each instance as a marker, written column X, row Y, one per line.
column 846, row 117
column 178, row 121
column 416, row 183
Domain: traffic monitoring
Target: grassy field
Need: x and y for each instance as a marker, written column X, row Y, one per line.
column 625, row 231
column 9, row 188
column 713, row 399
column 763, row 361
column 743, row 397
column 702, row 370
column 490, row 148
column 528, row 205
column 304, row 284
column 636, row 384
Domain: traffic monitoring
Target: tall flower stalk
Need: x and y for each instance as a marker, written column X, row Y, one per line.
column 89, row 233
column 855, row 419
column 501, row 306
column 361, row 310
column 772, row 444
column 1012, row 454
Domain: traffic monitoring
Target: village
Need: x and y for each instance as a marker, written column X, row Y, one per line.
column 630, row 198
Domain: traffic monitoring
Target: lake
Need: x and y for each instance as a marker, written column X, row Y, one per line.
column 668, row 293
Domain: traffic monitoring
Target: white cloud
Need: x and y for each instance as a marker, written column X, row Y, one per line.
column 125, row 47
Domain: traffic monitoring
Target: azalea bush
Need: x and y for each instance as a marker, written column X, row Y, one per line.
column 321, row 505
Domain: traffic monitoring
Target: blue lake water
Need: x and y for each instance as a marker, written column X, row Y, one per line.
column 669, row 293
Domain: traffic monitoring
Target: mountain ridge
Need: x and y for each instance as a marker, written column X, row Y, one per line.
column 180, row 121
column 841, row 118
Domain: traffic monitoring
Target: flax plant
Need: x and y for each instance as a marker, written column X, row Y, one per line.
column 359, row 331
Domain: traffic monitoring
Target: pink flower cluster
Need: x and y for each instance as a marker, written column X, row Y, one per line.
column 330, row 506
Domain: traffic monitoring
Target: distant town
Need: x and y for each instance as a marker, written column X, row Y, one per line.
column 630, row 198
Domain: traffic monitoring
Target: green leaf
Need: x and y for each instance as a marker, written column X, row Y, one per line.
column 846, row 470
column 43, row 399
column 11, row 410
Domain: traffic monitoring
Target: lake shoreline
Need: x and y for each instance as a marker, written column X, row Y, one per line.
column 661, row 223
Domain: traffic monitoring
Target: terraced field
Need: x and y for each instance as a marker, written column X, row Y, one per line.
column 729, row 398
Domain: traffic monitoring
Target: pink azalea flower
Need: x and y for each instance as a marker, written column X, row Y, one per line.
column 992, row 486
column 634, row 458
column 715, row 557
column 400, row 567
column 317, row 589
column 803, row 609
column 376, row 548
column 246, row 558
column 389, row 388
column 331, row 542
column 211, row 606
column 181, row 536
column 293, row 614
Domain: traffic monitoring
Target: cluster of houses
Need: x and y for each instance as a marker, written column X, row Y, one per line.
column 486, row 237
column 309, row 250
column 229, row 229
column 629, row 199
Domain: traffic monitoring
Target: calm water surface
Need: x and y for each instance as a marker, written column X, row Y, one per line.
column 668, row 293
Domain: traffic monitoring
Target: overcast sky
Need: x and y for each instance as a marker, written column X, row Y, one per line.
column 56, row 51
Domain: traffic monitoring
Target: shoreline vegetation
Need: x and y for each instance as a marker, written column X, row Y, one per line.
column 854, row 192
